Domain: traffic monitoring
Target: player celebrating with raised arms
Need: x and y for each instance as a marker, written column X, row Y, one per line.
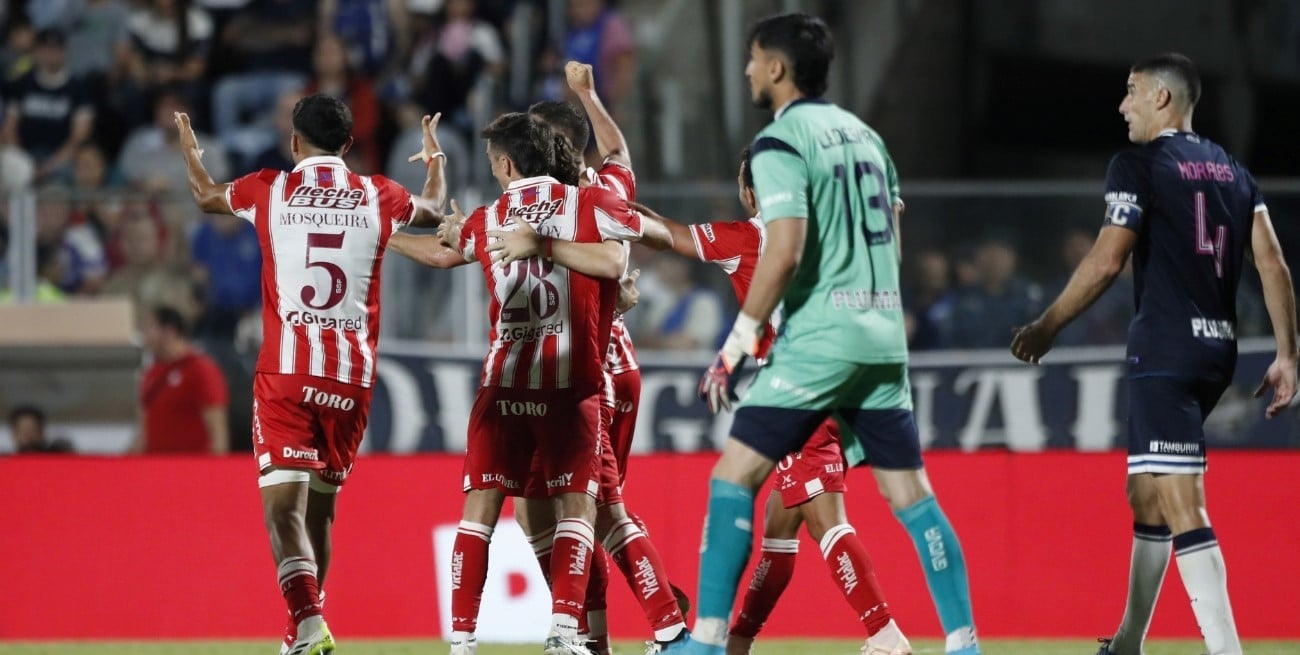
column 323, row 230
column 540, row 393
column 826, row 188
column 1189, row 214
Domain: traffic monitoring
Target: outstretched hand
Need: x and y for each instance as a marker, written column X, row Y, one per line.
column 507, row 246
column 430, row 147
column 628, row 294
column 1281, row 378
column 449, row 230
column 187, row 138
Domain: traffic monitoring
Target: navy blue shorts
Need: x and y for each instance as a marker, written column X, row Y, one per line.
column 883, row 438
column 1166, row 423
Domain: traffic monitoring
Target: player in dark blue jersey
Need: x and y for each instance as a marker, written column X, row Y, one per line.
column 1187, row 212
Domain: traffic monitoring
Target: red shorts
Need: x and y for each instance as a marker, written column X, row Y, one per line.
column 509, row 428
column 816, row 469
column 627, row 399
column 306, row 422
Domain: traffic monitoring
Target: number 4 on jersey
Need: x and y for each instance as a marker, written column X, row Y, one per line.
column 1203, row 244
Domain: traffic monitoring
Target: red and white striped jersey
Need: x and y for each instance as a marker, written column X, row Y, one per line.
column 550, row 326
column 323, row 230
column 735, row 246
column 622, row 355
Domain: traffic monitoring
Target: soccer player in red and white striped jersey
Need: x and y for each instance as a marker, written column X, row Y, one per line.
column 323, row 231
column 622, row 534
column 809, row 485
column 542, row 381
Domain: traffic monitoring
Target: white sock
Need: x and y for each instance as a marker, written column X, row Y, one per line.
column 563, row 625
column 1206, row 579
column 1151, row 548
column 710, row 631
column 308, row 627
column 461, row 637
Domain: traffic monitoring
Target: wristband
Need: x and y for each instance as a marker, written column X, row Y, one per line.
column 428, row 163
column 745, row 331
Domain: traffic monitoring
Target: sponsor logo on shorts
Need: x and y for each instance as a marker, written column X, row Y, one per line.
column 787, row 481
column 314, row 396
column 307, row 454
column 1206, row 328
column 783, row 385
column 1174, row 448
column 326, row 323
column 847, row 574
column 521, row 408
column 624, row 406
column 489, row 478
column 837, row 467
column 646, row 578
column 257, row 425
column 563, row 481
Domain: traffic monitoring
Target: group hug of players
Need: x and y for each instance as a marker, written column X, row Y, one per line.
column 552, row 421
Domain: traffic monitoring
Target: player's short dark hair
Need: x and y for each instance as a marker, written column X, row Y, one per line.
column 170, row 317
column 1176, row 68
column 528, row 143
column 805, row 41
column 564, row 118
column 20, row 412
column 746, row 173
column 324, row 121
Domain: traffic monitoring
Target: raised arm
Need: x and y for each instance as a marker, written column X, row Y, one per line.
column 1279, row 297
column 609, row 139
column 429, row 204
column 208, row 195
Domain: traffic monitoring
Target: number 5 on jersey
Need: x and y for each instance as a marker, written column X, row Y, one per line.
column 338, row 284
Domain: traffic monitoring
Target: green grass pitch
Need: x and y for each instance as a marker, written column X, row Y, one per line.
column 769, row 647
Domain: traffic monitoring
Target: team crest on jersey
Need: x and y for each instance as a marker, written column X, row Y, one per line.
column 327, row 197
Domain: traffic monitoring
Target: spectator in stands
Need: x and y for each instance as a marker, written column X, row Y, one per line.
column 279, row 157
column 333, row 78
column 182, row 394
column 376, row 33
column 273, row 38
column 27, row 428
column 149, row 157
column 600, row 36
column 684, row 315
column 984, row 314
column 16, row 58
column 96, row 29
column 49, row 271
column 93, row 203
column 228, row 263
column 147, row 277
column 1107, row 321
column 48, row 113
column 458, row 54
column 929, row 300
column 82, row 265
column 165, row 49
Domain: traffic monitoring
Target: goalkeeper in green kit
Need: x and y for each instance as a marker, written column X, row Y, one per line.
column 828, row 195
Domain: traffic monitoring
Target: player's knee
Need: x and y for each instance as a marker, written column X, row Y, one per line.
column 902, row 489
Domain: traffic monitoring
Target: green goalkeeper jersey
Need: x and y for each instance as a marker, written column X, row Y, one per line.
column 820, row 163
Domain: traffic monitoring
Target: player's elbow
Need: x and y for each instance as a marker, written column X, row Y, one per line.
column 211, row 200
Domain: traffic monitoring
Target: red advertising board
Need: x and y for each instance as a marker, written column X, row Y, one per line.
column 140, row 547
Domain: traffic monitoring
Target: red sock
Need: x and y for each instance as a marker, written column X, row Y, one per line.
column 469, row 562
column 597, row 583
column 771, row 576
column 542, row 545
column 571, row 566
column 851, row 568
column 298, row 584
column 638, row 559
